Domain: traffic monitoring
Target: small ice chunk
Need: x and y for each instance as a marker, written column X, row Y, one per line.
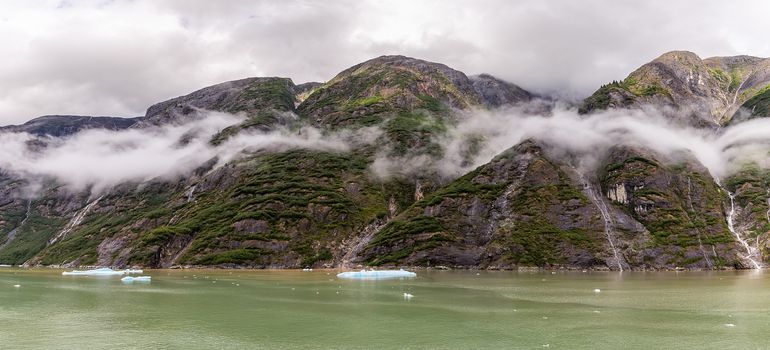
column 729, row 325
column 129, row 279
column 376, row 274
column 597, row 290
column 17, row 285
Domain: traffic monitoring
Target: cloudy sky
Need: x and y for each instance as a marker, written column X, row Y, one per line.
column 119, row 57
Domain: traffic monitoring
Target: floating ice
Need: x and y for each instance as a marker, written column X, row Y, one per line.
column 597, row 290
column 17, row 285
column 105, row 271
column 129, row 279
column 729, row 325
column 376, row 274
column 96, row 272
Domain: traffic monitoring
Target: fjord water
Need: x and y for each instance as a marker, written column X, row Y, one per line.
column 224, row 309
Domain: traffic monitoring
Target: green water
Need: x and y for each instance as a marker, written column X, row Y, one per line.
column 208, row 309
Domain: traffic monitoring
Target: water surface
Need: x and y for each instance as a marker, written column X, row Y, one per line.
column 223, row 309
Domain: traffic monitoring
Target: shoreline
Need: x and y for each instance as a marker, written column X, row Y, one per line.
column 357, row 268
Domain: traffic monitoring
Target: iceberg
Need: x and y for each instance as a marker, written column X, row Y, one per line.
column 96, row 272
column 129, row 279
column 105, row 271
column 376, row 274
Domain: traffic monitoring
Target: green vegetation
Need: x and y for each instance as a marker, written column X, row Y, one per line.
column 81, row 244
column 414, row 133
column 269, row 93
column 759, row 105
column 31, row 238
column 629, row 89
column 298, row 191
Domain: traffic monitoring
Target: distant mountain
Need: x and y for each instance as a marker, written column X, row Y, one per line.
column 291, row 208
column 64, row 125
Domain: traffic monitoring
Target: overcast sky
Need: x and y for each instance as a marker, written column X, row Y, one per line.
column 119, row 57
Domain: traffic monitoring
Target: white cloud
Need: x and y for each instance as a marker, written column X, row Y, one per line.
column 564, row 131
column 98, row 159
column 118, row 57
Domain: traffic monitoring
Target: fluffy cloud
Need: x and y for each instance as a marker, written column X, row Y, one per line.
column 118, row 57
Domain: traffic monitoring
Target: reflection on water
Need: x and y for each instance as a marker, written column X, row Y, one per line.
column 203, row 309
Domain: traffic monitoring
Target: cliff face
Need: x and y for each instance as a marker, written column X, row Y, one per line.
column 532, row 205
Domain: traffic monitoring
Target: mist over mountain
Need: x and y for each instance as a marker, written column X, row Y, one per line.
column 401, row 161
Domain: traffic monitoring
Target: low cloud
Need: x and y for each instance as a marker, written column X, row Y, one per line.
column 98, row 159
column 564, row 131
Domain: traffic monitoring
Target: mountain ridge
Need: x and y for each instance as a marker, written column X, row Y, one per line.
column 296, row 207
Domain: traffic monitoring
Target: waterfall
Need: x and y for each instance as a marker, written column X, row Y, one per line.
column 76, row 220
column 750, row 251
column 418, row 195
column 365, row 237
column 11, row 235
column 608, row 225
column 190, row 193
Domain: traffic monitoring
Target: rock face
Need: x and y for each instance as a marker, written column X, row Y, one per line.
column 678, row 205
column 520, row 209
column 496, row 93
column 530, row 206
column 525, row 208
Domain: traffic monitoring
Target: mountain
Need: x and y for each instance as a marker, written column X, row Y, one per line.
column 381, row 200
column 64, row 125
column 710, row 91
column 713, row 92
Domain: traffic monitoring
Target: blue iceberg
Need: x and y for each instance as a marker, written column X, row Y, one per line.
column 376, row 274
column 129, row 279
column 96, row 272
column 101, row 272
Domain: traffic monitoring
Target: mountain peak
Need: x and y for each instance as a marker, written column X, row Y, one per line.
column 705, row 91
